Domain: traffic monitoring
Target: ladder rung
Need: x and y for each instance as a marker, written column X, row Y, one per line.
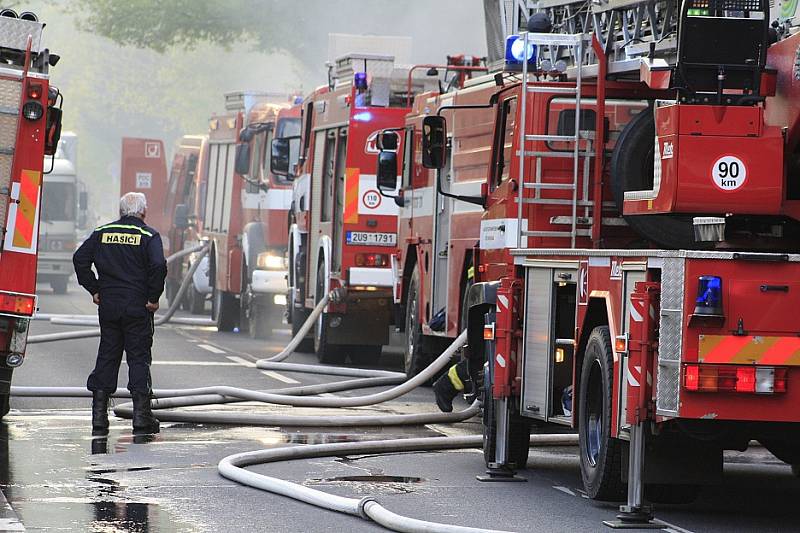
column 558, row 90
column 7, row 110
column 578, row 233
column 6, row 151
column 552, row 138
column 550, row 186
column 555, row 201
column 562, row 155
column 607, row 221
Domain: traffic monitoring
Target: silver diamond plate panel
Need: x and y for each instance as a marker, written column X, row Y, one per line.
column 14, row 33
column 8, row 133
column 670, row 342
column 10, row 93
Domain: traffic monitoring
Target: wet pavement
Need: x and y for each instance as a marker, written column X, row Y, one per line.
column 57, row 478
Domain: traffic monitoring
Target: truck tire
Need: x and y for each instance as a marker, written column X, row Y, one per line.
column 259, row 322
column 369, row 355
column 299, row 317
column 225, row 310
column 415, row 357
column 326, row 353
column 632, row 170
column 519, row 436
column 196, row 301
column 600, row 453
column 5, row 405
column 59, row 285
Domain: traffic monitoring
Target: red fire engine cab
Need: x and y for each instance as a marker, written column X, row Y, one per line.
column 436, row 234
column 245, row 212
column 30, row 122
column 635, row 275
column 344, row 232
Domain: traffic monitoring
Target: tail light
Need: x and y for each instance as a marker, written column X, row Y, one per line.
column 35, row 91
column 732, row 378
column 17, row 304
column 372, row 260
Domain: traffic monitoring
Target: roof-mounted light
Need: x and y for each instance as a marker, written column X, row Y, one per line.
column 516, row 53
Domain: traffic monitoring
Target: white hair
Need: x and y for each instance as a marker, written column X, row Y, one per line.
column 132, row 204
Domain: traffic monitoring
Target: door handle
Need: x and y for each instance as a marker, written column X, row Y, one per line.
column 774, row 288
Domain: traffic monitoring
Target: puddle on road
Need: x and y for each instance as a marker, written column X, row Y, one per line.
column 370, row 479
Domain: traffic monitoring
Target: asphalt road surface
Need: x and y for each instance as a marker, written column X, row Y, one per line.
column 56, row 478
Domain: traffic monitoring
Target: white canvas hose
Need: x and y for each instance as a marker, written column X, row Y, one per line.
column 159, row 320
column 233, row 468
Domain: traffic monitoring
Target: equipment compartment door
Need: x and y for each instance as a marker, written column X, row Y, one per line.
column 548, row 350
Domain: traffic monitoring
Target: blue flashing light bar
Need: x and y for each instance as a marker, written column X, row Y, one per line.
column 515, row 53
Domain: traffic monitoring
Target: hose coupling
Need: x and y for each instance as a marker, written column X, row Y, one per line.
column 338, row 295
column 362, row 512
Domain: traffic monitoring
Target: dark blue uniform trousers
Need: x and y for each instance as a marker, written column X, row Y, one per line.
column 123, row 327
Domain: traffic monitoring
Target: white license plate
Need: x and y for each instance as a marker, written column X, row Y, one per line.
column 365, row 238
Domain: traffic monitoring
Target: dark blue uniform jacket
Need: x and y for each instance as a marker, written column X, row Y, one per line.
column 129, row 259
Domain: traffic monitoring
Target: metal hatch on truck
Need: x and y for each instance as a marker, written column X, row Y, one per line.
column 549, row 348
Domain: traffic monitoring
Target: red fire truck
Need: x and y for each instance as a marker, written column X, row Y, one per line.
column 180, row 208
column 143, row 169
column 30, row 123
column 436, row 234
column 343, row 231
column 245, row 212
column 635, row 276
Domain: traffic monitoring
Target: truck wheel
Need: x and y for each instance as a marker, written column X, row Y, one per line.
column 299, row 317
column 600, row 454
column 59, row 285
column 415, row 358
column 224, row 310
column 519, row 436
column 364, row 355
column 260, row 322
column 196, row 301
column 5, row 405
column 326, row 353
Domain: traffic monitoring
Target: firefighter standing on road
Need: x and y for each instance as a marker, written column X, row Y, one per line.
column 129, row 260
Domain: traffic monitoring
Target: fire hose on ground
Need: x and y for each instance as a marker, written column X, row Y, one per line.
column 166, row 401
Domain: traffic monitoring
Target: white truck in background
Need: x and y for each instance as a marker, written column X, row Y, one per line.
column 64, row 215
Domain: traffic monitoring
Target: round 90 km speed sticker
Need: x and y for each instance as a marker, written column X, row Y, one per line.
column 729, row 173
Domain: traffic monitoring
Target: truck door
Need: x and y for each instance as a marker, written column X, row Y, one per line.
column 338, row 211
column 315, row 213
column 441, row 241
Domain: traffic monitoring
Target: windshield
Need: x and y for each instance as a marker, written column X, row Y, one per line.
column 59, row 202
column 288, row 127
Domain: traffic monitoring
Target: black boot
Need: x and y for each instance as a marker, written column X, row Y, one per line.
column 445, row 393
column 99, row 413
column 143, row 420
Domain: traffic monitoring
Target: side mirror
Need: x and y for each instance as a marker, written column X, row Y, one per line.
column 387, row 170
column 280, row 156
column 242, row 165
column 246, row 135
column 83, row 201
column 53, row 133
column 181, row 220
column 388, row 140
column 434, row 141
